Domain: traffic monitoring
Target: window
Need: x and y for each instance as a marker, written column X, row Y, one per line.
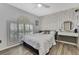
column 28, row 27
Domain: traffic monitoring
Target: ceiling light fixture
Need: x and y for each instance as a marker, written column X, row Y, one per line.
column 39, row 5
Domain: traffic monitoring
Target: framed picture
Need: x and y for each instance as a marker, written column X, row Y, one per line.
column 36, row 22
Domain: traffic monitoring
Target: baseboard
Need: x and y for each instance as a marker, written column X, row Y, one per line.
column 10, row 47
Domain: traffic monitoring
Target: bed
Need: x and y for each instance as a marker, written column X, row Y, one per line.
column 40, row 41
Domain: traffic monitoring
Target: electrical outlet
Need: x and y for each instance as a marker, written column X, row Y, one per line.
column 0, row 41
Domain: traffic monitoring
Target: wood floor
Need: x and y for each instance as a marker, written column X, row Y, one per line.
column 59, row 49
column 64, row 49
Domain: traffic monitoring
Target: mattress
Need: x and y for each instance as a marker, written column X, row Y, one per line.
column 41, row 42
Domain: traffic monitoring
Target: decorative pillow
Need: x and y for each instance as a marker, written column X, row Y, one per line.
column 46, row 32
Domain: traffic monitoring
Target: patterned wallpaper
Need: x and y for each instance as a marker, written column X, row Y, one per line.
column 55, row 21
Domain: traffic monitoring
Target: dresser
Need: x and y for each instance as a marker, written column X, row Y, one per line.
column 68, row 34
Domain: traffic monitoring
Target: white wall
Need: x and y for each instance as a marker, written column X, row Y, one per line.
column 8, row 12
column 55, row 21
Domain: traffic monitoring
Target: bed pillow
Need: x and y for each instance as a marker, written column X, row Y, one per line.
column 46, row 32
column 52, row 32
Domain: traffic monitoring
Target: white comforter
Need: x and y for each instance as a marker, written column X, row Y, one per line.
column 42, row 42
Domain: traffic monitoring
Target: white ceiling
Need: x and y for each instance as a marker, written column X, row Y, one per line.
column 54, row 7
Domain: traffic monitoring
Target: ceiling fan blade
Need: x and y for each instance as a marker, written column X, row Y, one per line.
column 45, row 5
